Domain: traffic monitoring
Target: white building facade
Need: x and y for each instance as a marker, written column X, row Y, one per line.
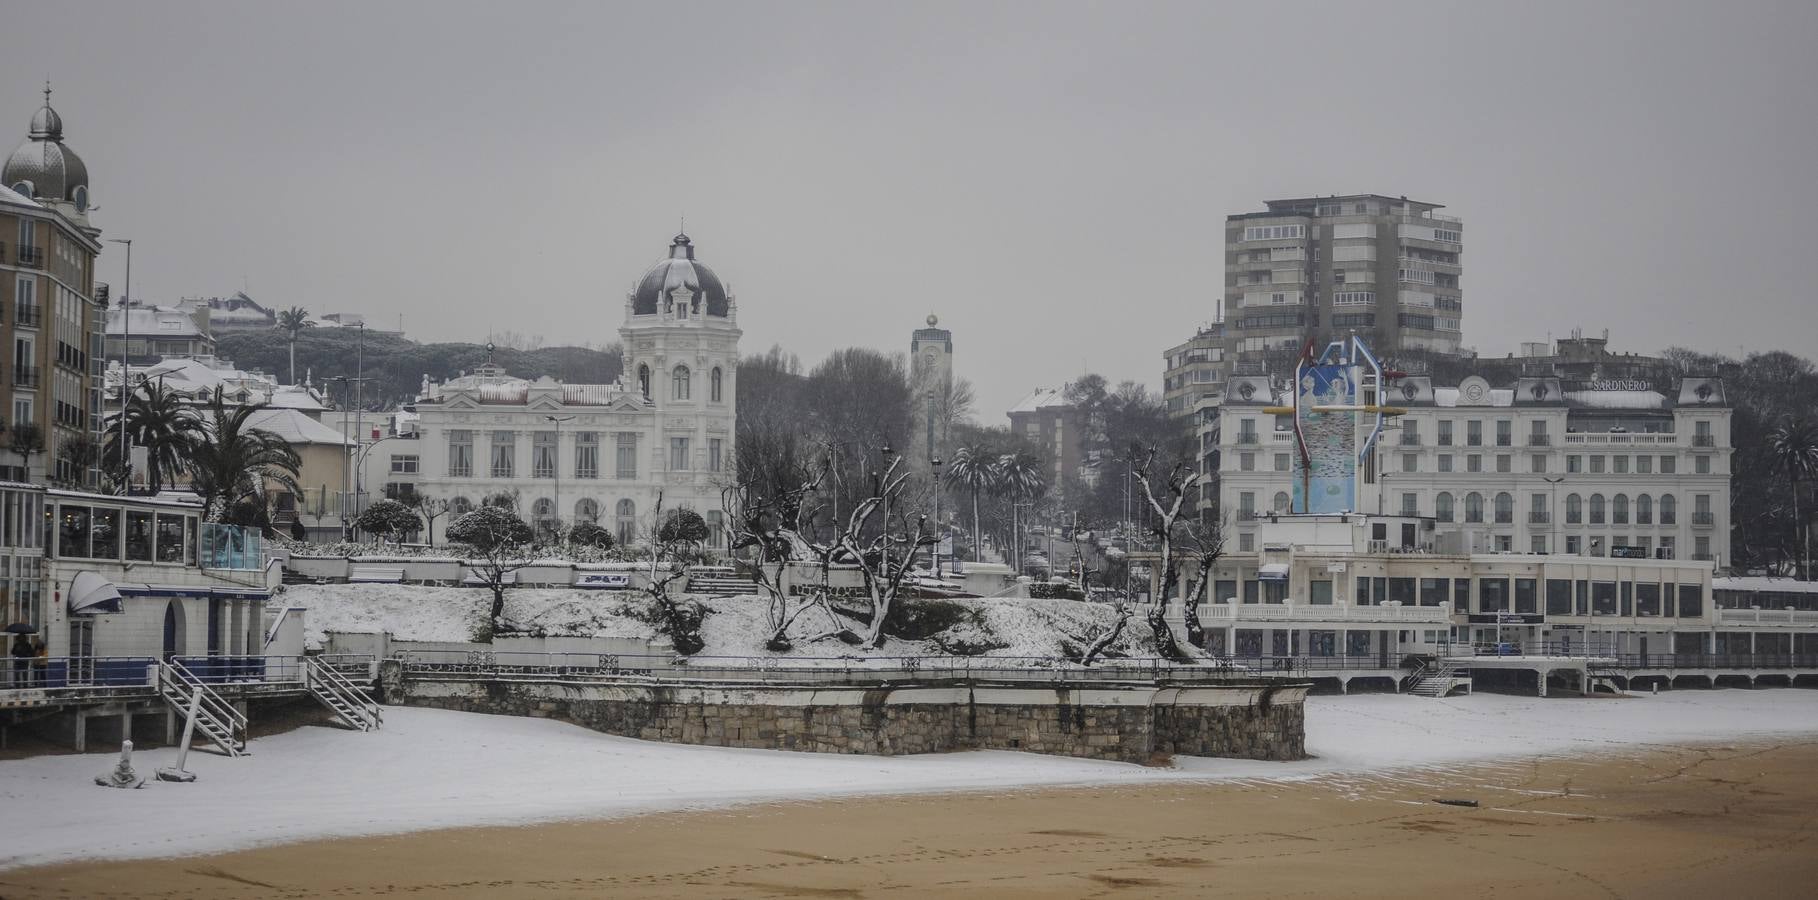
column 562, row 454
column 1542, row 466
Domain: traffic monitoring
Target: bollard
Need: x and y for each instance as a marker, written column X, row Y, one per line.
column 122, row 775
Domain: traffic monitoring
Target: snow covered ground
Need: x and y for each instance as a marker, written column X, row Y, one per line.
column 435, row 769
column 733, row 626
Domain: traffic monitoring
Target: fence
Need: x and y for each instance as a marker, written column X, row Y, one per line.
column 60, row 672
column 1047, row 671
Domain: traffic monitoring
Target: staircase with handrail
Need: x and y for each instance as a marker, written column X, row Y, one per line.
column 347, row 700
column 215, row 718
column 1436, row 678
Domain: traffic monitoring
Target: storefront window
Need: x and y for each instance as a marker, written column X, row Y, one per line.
column 1527, row 599
column 72, row 532
column 170, row 538
column 138, row 535
column 105, row 543
column 1493, row 595
column 1603, row 598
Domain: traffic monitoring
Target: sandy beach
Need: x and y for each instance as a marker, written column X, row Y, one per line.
column 1701, row 821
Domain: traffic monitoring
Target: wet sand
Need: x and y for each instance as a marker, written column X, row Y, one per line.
column 1715, row 821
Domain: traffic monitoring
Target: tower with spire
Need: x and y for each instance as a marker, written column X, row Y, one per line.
column 45, row 169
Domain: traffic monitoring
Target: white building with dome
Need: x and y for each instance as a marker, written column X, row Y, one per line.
column 569, row 453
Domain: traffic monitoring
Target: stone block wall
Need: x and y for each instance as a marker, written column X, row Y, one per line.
column 1123, row 723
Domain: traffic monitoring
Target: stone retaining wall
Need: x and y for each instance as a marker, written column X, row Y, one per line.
column 1112, row 722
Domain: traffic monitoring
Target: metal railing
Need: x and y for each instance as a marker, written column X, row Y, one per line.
column 28, row 315
column 1539, row 517
column 220, row 670
column 844, row 671
column 27, row 376
column 77, row 672
column 1704, row 518
column 1540, row 440
column 1704, row 440
column 31, row 257
column 1307, row 612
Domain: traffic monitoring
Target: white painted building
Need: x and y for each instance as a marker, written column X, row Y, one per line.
column 568, row 453
column 1540, row 466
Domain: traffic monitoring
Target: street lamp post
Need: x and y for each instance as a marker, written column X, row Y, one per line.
column 350, row 454
column 126, row 323
column 558, row 420
column 939, row 523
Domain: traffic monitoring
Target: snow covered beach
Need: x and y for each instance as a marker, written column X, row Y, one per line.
column 431, row 769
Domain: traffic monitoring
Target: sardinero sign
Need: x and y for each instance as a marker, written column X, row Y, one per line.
column 1618, row 384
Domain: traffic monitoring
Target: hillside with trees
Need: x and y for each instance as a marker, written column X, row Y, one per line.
column 399, row 363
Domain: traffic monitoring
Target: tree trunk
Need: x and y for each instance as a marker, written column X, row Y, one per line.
column 293, row 359
column 497, row 583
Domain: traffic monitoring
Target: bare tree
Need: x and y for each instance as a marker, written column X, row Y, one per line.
column 674, row 540
column 431, row 509
column 883, row 541
column 1202, row 541
column 769, row 522
column 1165, row 500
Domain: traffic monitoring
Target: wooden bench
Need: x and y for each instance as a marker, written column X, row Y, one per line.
column 374, row 575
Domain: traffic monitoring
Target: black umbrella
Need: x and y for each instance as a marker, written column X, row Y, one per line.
column 21, row 628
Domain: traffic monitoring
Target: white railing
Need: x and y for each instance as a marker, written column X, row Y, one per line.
column 1767, row 617
column 1655, row 438
column 1297, row 612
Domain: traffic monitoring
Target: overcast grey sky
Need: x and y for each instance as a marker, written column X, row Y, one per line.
column 1051, row 179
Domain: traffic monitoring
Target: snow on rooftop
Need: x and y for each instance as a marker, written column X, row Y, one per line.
column 295, row 427
column 8, row 195
column 440, row 769
column 1041, row 398
column 1448, row 396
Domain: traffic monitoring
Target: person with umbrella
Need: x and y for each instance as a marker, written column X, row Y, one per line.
column 23, row 651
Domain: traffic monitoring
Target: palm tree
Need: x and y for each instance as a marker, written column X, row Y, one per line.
column 1793, row 447
column 234, row 462
column 974, row 470
column 1020, row 478
column 169, row 430
column 293, row 321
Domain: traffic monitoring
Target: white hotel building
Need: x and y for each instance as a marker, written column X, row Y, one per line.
column 569, row 453
column 1539, row 466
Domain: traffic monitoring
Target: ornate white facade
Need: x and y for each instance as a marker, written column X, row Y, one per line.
column 569, row 453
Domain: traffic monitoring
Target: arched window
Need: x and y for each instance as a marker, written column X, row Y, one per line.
column 459, row 507
column 1280, row 503
column 24, row 187
column 1574, row 509
column 1505, row 509
column 1596, row 509
column 1473, row 507
column 679, row 382
column 1644, row 510
column 543, row 515
column 644, row 380
column 80, row 197
column 588, row 510
column 628, row 521
column 1442, row 507
column 715, row 391
column 1619, row 509
column 1669, row 510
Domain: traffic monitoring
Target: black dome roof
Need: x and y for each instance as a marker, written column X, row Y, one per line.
column 680, row 270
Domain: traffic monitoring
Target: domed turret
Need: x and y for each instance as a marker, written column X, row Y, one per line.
column 682, row 270
column 43, row 168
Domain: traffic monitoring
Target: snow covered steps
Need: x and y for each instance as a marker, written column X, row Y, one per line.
column 718, row 581
column 348, row 701
column 215, row 718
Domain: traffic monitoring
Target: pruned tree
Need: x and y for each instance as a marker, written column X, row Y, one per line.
column 883, row 541
column 429, row 508
column 673, row 543
column 385, row 518
column 764, row 514
column 590, row 534
column 503, row 544
column 1201, row 542
column 26, row 439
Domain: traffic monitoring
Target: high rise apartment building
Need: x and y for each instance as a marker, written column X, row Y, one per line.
column 50, row 305
column 1321, row 268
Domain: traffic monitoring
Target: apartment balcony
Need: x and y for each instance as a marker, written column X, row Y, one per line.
column 1704, row 441
column 1619, row 439
column 28, row 316
column 1409, row 440
column 1540, row 440
column 1669, row 519
column 31, row 257
column 27, row 376
column 1443, row 517
column 1704, row 519
column 1248, row 438
column 1505, row 518
column 1703, row 557
column 1539, row 518
column 1801, row 617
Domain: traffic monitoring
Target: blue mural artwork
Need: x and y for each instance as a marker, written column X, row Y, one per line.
column 1326, row 481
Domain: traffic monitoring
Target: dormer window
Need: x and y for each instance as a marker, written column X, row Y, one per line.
column 681, row 309
column 24, row 188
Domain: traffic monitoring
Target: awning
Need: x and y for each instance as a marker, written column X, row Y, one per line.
column 89, row 594
column 1273, row 572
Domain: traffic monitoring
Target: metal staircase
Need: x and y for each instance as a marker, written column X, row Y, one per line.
column 214, row 717
column 347, row 700
column 1437, row 678
column 1604, row 676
